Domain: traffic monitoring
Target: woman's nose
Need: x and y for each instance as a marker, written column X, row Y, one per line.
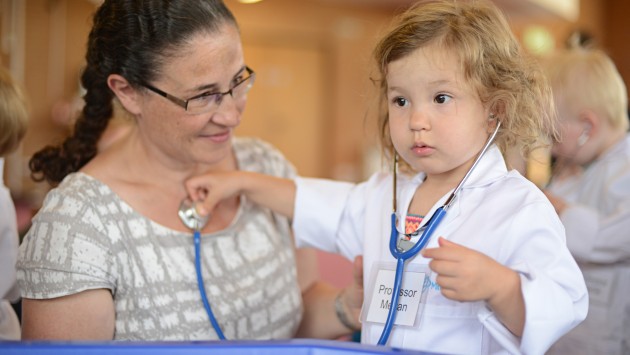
column 228, row 113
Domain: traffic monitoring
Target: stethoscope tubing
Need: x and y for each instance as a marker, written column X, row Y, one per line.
column 391, row 314
column 202, row 288
column 401, row 257
column 433, row 223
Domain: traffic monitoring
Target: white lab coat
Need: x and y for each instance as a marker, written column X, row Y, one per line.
column 597, row 221
column 498, row 213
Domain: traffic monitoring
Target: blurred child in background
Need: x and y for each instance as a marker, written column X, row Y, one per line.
column 590, row 190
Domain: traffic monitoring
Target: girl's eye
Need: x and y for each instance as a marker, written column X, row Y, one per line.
column 442, row 98
column 399, row 101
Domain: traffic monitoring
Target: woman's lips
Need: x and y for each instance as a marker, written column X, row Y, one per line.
column 218, row 137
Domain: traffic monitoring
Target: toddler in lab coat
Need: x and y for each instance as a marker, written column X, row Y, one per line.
column 13, row 122
column 496, row 277
column 593, row 201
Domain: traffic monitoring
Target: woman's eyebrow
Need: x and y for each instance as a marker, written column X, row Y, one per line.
column 215, row 86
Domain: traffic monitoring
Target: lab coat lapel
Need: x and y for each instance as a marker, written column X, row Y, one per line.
column 490, row 168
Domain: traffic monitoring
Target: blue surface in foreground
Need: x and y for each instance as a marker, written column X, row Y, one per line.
column 236, row 347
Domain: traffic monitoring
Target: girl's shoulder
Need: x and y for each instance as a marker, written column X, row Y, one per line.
column 515, row 187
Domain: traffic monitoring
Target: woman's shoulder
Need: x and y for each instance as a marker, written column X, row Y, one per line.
column 70, row 245
column 76, row 191
column 254, row 154
column 256, row 148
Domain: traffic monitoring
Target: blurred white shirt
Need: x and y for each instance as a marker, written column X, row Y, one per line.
column 9, row 240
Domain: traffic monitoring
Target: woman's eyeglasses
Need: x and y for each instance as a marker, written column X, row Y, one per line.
column 210, row 101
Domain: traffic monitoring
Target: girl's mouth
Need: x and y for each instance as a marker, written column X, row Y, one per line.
column 422, row 150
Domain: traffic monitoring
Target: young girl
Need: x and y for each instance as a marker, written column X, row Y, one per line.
column 497, row 276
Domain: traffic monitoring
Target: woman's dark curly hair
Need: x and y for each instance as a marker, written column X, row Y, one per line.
column 131, row 38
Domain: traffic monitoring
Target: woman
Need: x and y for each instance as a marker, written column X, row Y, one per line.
column 107, row 256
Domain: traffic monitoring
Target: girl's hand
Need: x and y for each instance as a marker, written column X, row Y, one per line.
column 465, row 274
column 209, row 189
column 272, row 192
column 468, row 275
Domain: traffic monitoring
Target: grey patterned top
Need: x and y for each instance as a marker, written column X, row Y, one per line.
column 85, row 237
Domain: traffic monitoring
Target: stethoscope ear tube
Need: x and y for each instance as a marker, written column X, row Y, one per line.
column 402, row 256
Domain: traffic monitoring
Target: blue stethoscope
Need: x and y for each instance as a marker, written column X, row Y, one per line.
column 193, row 220
column 403, row 254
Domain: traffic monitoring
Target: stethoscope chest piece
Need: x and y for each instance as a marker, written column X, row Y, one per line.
column 403, row 245
column 190, row 217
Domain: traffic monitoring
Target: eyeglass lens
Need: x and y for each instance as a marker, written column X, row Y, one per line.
column 211, row 102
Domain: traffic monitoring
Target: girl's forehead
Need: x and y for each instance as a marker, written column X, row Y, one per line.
column 432, row 62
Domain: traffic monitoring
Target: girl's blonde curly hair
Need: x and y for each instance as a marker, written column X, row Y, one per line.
column 511, row 85
column 13, row 113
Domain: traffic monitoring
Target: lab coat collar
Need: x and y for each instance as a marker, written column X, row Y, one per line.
column 490, row 168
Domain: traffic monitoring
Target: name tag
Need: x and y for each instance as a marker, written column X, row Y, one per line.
column 410, row 294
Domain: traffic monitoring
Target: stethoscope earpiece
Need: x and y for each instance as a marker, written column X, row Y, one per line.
column 583, row 137
column 190, row 217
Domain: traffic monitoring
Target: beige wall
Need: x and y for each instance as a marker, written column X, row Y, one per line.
column 330, row 128
column 55, row 33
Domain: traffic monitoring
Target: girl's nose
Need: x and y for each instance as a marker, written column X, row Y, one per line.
column 419, row 120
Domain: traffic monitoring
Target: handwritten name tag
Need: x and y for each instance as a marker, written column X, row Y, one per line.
column 408, row 300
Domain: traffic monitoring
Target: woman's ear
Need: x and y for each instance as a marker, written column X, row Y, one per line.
column 128, row 96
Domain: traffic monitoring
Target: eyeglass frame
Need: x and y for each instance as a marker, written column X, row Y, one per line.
column 184, row 103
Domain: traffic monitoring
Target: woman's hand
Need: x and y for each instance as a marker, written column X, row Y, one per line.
column 352, row 296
